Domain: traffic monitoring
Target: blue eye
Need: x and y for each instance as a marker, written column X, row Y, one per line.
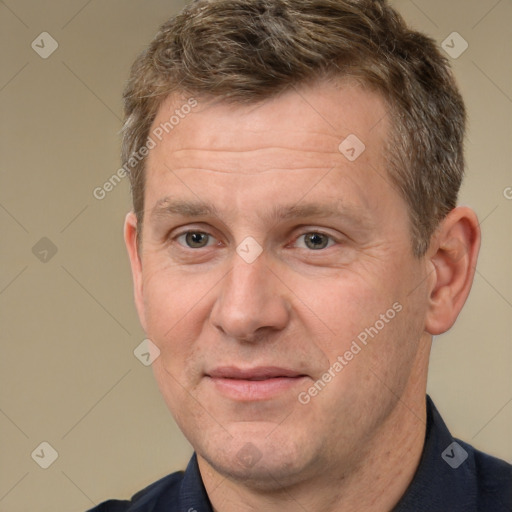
column 315, row 241
column 195, row 239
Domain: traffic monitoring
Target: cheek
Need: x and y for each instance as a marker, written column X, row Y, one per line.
column 374, row 322
column 173, row 389
column 347, row 304
column 175, row 305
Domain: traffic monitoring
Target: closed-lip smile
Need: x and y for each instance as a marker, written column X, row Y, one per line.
column 249, row 384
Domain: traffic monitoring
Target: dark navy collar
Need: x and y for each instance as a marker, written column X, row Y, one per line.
column 193, row 497
column 436, row 483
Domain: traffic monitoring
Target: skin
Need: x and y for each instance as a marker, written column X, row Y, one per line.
column 356, row 444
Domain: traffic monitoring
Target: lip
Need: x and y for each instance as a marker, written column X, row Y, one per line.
column 251, row 384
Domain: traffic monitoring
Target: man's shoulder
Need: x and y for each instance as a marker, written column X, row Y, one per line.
column 147, row 498
column 488, row 467
column 493, row 477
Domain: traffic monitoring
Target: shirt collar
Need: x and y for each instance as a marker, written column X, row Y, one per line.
column 445, row 478
column 193, row 497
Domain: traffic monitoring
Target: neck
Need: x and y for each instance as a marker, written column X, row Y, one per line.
column 387, row 465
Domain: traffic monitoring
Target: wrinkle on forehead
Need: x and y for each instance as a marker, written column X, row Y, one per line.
column 263, row 159
column 241, row 170
column 325, row 112
column 252, row 173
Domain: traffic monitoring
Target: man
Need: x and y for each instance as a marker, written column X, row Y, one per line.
column 295, row 244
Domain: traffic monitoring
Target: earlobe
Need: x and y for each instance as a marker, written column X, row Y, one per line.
column 454, row 253
column 131, row 242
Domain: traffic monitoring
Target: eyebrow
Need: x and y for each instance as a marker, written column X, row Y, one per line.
column 309, row 210
column 167, row 207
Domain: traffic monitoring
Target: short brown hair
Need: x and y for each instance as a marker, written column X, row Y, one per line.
column 250, row 50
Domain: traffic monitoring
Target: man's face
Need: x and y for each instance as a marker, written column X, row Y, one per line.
column 267, row 257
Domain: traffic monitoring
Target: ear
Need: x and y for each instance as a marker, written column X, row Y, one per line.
column 131, row 241
column 453, row 255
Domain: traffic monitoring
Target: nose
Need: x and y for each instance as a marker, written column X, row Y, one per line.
column 251, row 303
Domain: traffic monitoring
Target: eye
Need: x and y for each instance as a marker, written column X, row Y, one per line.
column 195, row 239
column 314, row 241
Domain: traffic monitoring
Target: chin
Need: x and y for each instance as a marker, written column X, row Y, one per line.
column 261, row 461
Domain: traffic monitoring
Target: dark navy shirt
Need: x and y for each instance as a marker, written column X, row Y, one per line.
column 452, row 477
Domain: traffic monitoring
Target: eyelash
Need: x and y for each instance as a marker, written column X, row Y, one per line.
column 331, row 240
column 196, row 232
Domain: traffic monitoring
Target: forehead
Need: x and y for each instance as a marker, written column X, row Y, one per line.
column 315, row 117
column 236, row 147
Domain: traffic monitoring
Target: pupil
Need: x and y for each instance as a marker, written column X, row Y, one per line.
column 196, row 239
column 316, row 241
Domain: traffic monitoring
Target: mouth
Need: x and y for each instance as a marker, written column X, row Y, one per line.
column 251, row 384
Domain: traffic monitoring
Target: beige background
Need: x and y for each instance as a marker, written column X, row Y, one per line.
column 69, row 328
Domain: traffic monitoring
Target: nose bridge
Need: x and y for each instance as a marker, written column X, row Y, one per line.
column 249, row 300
